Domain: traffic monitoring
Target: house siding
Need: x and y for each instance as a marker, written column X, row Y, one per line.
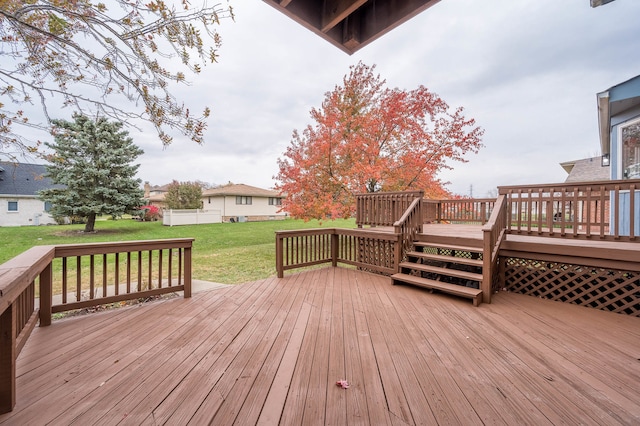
column 259, row 209
column 623, row 99
column 224, row 199
column 624, row 223
column 30, row 212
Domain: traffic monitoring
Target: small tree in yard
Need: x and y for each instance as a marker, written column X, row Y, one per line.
column 93, row 160
column 183, row 195
column 369, row 138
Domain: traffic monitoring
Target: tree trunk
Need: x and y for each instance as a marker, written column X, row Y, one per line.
column 91, row 221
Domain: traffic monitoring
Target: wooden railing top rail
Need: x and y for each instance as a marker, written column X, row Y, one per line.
column 66, row 250
column 360, row 232
column 608, row 184
column 391, row 193
column 18, row 273
column 460, row 200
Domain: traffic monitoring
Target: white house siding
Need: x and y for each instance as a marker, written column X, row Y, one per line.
column 213, row 203
column 30, row 212
column 259, row 209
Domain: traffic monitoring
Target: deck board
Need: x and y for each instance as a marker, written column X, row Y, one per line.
column 270, row 352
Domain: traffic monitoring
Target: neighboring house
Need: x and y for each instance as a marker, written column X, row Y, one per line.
column 619, row 123
column 239, row 202
column 155, row 195
column 587, row 170
column 19, row 202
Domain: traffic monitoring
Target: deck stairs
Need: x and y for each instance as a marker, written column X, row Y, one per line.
column 448, row 268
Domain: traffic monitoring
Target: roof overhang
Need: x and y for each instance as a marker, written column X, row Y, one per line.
column 617, row 101
column 351, row 24
column 604, row 122
column 596, row 3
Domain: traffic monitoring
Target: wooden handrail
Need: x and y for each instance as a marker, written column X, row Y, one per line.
column 18, row 277
column 408, row 227
column 493, row 235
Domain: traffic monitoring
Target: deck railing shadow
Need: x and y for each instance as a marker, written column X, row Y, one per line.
column 84, row 275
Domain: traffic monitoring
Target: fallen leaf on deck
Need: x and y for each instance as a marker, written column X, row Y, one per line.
column 343, row 384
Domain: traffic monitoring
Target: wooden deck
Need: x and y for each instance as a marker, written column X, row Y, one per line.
column 270, row 352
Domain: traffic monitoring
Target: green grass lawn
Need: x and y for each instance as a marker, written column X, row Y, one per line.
column 229, row 253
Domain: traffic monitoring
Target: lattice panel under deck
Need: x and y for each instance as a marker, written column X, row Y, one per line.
column 600, row 288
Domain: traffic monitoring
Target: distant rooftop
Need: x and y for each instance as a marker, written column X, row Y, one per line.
column 585, row 170
column 23, row 178
column 240, row 189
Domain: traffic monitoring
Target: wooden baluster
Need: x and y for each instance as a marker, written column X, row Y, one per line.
column 64, row 280
column 78, row 278
column 632, row 207
column 139, row 271
column 129, row 271
column 150, row 270
column 160, row 268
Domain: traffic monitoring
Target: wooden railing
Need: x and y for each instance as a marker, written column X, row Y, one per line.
column 465, row 210
column 409, row 226
column 608, row 210
column 383, row 208
column 84, row 275
column 493, row 235
column 371, row 250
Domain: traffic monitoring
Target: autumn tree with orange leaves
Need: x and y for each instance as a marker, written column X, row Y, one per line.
column 369, row 138
column 118, row 59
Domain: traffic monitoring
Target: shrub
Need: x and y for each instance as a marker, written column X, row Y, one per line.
column 149, row 213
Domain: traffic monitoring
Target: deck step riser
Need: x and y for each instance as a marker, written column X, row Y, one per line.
column 441, row 272
column 457, row 290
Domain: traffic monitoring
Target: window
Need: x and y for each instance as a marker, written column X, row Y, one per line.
column 47, row 206
column 243, row 200
column 275, row 201
column 631, row 151
column 12, row 206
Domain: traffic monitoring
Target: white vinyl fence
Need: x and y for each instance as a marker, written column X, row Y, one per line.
column 190, row 217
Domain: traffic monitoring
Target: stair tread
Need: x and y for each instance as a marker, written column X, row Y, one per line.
column 448, row 246
column 442, row 271
column 444, row 258
column 438, row 285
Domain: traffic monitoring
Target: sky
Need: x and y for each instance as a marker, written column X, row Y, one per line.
column 527, row 71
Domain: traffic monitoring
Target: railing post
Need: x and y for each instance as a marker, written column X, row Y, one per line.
column 487, row 267
column 46, row 295
column 187, row 270
column 397, row 253
column 335, row 242
column 279, row 256
column 8, row 359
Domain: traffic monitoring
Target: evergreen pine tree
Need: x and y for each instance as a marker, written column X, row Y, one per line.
column 93, row 160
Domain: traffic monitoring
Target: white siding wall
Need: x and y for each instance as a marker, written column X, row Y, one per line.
column 259, row 207
column 213, row 203
column 30, row 212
